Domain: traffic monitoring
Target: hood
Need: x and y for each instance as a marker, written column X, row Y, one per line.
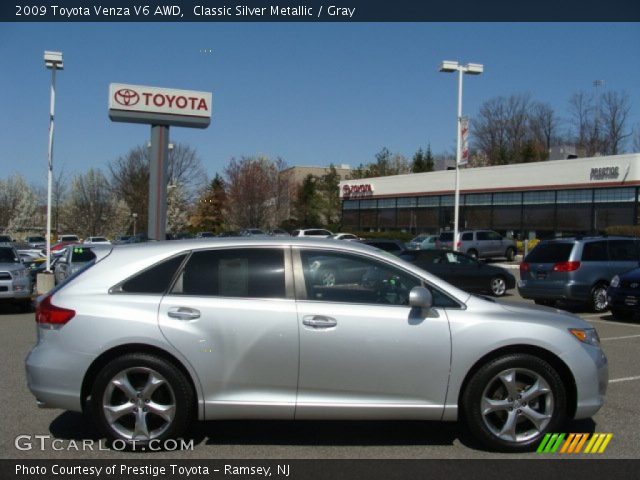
column 545, row 315
column 12, row 267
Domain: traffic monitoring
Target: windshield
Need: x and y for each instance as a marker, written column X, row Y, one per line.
column 8, row 255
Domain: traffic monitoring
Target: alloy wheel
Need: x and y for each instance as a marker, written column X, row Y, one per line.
column 517, row 405
column 139, row 404
column 498, row 286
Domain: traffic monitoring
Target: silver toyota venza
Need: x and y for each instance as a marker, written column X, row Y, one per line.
column 150, row 337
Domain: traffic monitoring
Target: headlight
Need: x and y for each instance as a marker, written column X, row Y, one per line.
column 615, row 281
column 586, row 335
column 20, row 273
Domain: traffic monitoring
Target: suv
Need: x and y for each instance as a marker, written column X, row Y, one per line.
column 480, row 244
column 312, row 232
column 15, row 282
column 576, row 269
column 150, row 337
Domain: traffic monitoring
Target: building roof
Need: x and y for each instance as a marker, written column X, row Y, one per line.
column 606, row 171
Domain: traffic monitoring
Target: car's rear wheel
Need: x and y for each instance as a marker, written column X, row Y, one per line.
column 513, row 401
column 139, row 398
column 498, row 286
column 510, row 254
column 598, row 301
column 473, row 253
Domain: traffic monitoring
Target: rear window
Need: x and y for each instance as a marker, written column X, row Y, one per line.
column 154, row 280
column 446, row 237
column 553, row 252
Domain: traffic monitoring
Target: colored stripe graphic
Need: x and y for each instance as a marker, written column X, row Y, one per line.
column 574, row 443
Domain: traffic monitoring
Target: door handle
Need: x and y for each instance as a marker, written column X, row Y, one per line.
column 319, row 321
column 184, row 313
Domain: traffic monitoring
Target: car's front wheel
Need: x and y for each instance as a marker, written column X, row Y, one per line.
column 598, row 301
column 510, row 254
column 139, row 398
column 511, row 402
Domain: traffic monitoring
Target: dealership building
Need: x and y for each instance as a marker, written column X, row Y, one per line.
column 532, row 199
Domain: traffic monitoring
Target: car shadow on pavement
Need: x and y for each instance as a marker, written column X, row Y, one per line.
column 75, row 426
column 329, row 433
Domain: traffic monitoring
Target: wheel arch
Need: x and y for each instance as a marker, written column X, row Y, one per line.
column 551, row 358
column 105, row 357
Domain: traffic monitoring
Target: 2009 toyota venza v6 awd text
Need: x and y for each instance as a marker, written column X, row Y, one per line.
column 150, row 337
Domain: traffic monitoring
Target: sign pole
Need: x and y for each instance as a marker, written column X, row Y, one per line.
column 159, row 159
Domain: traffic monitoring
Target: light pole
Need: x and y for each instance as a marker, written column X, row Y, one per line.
column 53, row 61
column 448, row 66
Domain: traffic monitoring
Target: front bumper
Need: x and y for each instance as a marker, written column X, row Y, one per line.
column 17, row 289
column 591, row 374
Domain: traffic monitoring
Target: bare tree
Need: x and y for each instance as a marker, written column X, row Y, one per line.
column 89, row 208
column 636, row 139
column 584, row 125
column 544, row 125
column 130, row 176
column 614, row 113
column 252, row 185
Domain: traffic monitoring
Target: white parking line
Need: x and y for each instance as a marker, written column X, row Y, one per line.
column 625, row 379
column 620, row 338
column 610, row 322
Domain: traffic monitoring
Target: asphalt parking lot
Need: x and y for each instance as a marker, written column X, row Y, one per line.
column 292, row 440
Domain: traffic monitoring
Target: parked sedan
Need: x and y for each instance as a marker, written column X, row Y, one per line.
column 623, row 294
column 423, row 242
column 151, row 337
column 463, row 271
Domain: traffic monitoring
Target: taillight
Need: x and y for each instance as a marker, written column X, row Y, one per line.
column 566, row 266
column 524, row 267
column 459, row 244
column 49, row 314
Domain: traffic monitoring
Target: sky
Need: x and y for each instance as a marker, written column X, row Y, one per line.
column 312, row 94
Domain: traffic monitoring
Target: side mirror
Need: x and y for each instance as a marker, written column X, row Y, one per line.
column 420, row 297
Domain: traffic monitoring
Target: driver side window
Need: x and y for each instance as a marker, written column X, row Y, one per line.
column 344, row 278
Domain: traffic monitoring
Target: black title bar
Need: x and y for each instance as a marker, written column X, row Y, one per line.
column 319, row 11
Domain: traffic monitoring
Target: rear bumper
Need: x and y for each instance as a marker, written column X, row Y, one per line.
column 536, row 290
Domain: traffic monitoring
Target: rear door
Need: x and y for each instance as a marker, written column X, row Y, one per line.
column 231, row 313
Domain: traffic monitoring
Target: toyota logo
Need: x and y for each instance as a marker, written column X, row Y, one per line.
column 126, row 97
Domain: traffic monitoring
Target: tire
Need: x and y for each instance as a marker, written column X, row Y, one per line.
column 546, row 303
column 598, row 300
column 621, row 314
column 124, row 412
column 510, row 254
column 498, row 286
column 516, row 421
column 472, row 253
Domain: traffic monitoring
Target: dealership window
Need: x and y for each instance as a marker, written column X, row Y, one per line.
column 351, row 220
column 407, row 218
column 351, row 205
column 538, row 197
column 447, row 200
column 609, row 214
column 507, row 198
column 614, row 195
column 573, row 218
column 575, row 196
column 407, row 202
column 387, row 203
column 478, row 199
column 427, row 219
column 476, row 217
column 368, row 218
column 433, row 201
column 387, row 217
column 368, row 204
column 538, row 217
column 506, row 217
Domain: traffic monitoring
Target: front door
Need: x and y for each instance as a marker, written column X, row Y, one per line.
column 364, row 352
